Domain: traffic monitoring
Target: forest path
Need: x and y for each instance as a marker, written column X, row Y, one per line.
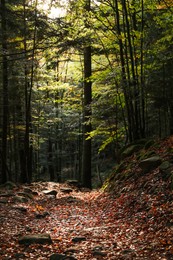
column 85, row 224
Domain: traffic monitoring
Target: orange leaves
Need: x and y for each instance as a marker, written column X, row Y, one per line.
column 36, row 208
column 39, row 208
column 165, row 242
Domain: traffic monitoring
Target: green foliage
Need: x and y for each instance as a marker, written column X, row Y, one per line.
column 131, row 91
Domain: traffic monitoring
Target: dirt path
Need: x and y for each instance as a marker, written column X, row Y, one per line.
column 85, row 225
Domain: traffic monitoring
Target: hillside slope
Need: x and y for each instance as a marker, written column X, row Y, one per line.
column 147, row 167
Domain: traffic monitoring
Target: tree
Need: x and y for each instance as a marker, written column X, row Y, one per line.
column 52, row 96
column 5, row 104
column 87, row 106
column 26, row 153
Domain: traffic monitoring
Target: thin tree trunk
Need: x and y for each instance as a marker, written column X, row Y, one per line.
column 23, row 151
column 126, row 91
column 143, row 101
column 4, row 174
column 87, row 118
column 131, row 48
column 50, row 160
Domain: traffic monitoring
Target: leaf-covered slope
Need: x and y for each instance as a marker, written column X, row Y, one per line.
column 148, row 168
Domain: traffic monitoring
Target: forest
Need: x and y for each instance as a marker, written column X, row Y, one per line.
column 79, row 81
column 86, row 129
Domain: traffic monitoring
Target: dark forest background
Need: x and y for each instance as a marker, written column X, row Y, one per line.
column 77, row 88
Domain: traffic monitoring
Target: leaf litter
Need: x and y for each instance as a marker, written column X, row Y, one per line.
column 136, row 224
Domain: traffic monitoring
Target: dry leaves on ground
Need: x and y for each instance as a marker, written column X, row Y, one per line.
column 134, row 226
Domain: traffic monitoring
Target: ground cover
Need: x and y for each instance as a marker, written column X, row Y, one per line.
column 134, row 220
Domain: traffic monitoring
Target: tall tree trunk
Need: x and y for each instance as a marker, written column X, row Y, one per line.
column 132, row 82
column 26, row 174
column 4, row 174
column 29, row 148
column 133, row 77
column 142, row 80
column 86, row 165
column 124, row 67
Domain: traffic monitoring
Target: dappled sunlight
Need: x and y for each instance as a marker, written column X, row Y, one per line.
column 51, row 10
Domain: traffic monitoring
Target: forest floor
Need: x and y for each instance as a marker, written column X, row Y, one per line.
column 82, row 224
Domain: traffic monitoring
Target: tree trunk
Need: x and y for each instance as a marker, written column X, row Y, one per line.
column 132, row 82
column 4, row 175
column 87, row 119
column 128, row 100
column 50, row 161
column 28, row 150
column 86, row 165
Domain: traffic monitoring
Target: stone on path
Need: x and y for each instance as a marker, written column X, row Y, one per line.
column 20, row 199
column 78, row 239
column 50, row 192
column 66, row 190
column 35, row 239
column 61, row 257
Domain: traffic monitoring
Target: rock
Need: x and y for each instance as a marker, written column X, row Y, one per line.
column 61, row 257
column 42, row 215
column 9, row 185
column 35, row 239
column 130, row 150
column 57, row 257
column 71, row 199
column 26, row 195
column 35, row 193
column 21, row 209
column 66, row 190
column 78, row 239
column 30, row 191
column 50, row 192
column 166, row 169
column 20, row 199
column 19, row 256
column 150, row 164
column 165, row 166
column 69, row 257
column 3, row 201
column 6, row 194
column 99, row 253
column 27, row 190
column 127, row 251
column 71, row 250
column 85, row 189
column 2, row 219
